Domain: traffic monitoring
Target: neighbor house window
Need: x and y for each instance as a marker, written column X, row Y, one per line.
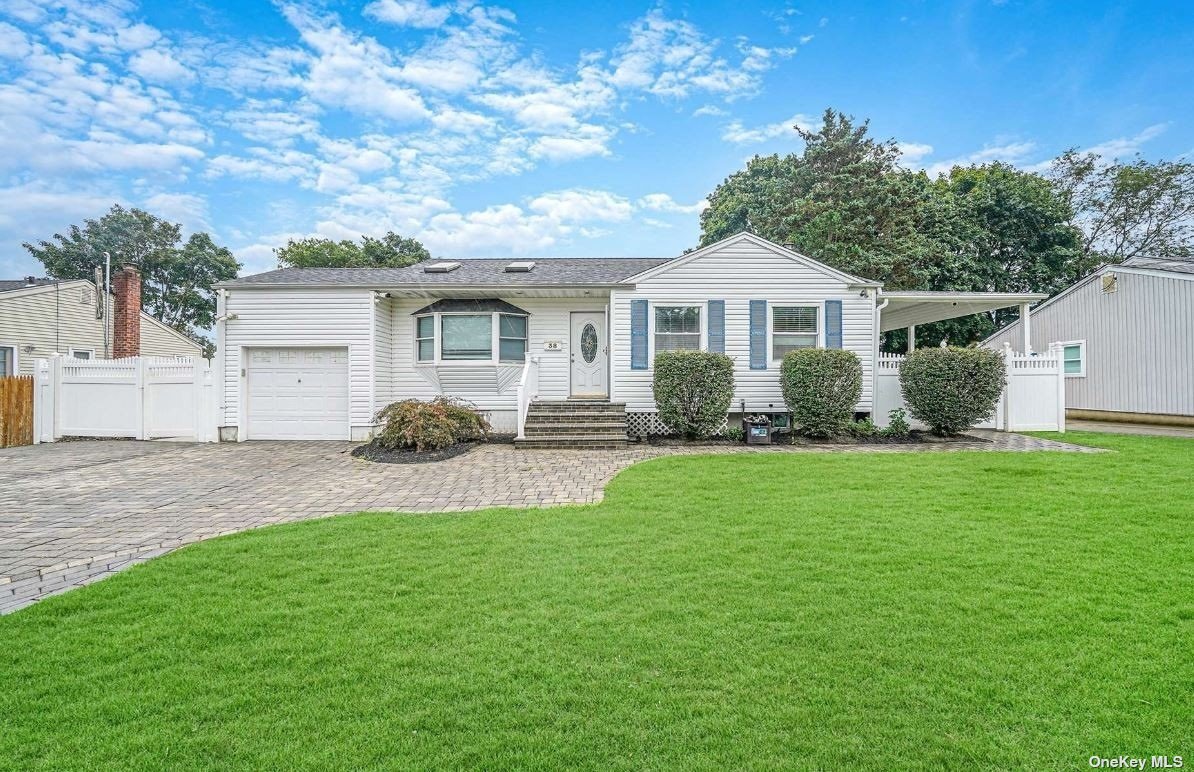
column 425, row 338
column 793, row 327
column 512, row 341
column 466, row 336
column 677, row 328
column 1073, row 358
column 81, row 353
column 8, row 360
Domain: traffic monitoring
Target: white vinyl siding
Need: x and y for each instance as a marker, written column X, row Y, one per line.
column 1138, row 350
column 738, row 273
column 314, row 318
column 55, row 319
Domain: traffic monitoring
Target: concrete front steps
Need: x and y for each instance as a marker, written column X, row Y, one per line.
column 575, row 423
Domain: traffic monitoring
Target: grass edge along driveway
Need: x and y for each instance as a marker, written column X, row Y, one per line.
column 970, row 609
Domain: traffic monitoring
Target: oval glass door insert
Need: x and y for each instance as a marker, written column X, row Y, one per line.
column 588, row 343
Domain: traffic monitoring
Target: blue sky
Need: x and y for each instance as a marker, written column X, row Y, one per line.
column 536, row 128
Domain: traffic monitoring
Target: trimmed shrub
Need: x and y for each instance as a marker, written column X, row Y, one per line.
column 952, row 389
column 693, row 391
column 864, row 428
column 821, row 386
column 444, row 421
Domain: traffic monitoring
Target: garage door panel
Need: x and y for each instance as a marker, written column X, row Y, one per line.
column 297, row 393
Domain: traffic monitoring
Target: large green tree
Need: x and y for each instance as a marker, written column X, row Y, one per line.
column 1131, row 209
column 390, row 251
column 845, row 200
column 176, row 275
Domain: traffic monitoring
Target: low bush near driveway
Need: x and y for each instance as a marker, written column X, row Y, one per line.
column 693, row 390
column 952, row 389
column 444, row 421
column 821, row 386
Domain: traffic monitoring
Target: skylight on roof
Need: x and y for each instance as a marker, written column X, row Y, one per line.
column 440, row 267
column 520, row 266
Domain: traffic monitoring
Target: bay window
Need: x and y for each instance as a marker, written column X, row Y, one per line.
column 793, row 327
column 480, row 331
column 677, row 328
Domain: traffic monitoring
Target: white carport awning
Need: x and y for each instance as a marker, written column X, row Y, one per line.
column 908, row 309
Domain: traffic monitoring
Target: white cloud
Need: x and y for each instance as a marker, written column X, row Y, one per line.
column 740, row 134
column 662, row 202
column 671, row 57
column 158, row 66
column 581, row 205
column 1122, row 147
column 708, row 110
column 186, row 208
column 911, row 153
column 408, row 13
column 1015, row 153
column 13, row 43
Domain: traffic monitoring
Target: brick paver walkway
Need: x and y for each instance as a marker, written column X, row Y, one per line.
column 72, row 513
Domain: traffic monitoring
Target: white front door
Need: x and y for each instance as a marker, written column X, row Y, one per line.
column 589, row 354
column 297, row 393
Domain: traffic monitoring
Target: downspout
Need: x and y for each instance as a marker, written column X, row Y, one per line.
column 875, row 350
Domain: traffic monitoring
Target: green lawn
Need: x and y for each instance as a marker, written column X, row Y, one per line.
column 935, row 610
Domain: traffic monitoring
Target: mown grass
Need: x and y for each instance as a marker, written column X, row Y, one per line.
column 882, row 611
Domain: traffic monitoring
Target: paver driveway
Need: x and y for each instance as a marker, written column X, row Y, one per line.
column 74, row 512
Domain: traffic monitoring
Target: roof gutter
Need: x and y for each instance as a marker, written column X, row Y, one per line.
column 411, row 287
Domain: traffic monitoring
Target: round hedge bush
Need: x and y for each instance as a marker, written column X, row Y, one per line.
column 821, row 386
column 952, row 389
column 444, row 421
column 693, row 391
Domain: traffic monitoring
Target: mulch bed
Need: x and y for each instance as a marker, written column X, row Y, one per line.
column 372, row 452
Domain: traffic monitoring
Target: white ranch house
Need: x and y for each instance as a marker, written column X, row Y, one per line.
column 314, row 353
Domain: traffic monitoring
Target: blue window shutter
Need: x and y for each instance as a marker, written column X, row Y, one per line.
column 638, row 335
column 833, row 324
column 758, row 335
column 717, row 326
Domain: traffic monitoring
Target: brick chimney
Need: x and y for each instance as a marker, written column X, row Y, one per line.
column 126, row 313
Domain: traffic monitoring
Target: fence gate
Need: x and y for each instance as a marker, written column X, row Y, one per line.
column 16, row 411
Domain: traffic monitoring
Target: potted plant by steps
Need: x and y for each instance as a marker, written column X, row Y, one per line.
column 757, row 429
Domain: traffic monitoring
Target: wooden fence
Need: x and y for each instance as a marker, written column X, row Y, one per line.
column 16, row 411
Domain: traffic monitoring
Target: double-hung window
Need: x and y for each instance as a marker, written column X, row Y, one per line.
column 425, row 338
column 793, row 327
column 677, row 328
column 512, row 338
column 8, row 360
column 1073, row 358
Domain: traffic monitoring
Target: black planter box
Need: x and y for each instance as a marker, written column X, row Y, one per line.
column 757, row 434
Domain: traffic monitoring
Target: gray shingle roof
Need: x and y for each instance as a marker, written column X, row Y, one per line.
column 554, row 271
column 15, row 284
column 1177, row 265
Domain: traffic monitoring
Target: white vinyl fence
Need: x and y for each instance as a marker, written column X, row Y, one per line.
column 144, row 398
column 1032, row 400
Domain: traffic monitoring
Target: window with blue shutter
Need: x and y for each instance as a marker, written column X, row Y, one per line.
column 833, row 324
column 717, row 326
column 638, row 335
column 758, row 335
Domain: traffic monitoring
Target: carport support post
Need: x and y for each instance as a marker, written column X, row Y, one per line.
column 1025, row 329
column 912, row 339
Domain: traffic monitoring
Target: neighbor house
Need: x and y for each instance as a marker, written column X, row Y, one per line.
column 41, row 317
column 314, row 353
column 1127, row 335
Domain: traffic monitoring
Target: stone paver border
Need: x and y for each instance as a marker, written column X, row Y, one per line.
column 73, row 513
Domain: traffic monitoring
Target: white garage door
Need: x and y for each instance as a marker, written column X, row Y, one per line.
column 298, row 394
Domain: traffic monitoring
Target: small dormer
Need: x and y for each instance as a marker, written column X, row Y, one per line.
column 520, row 266
column 440, row 267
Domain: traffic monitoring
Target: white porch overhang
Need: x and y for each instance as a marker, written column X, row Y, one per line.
column 909, row 309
